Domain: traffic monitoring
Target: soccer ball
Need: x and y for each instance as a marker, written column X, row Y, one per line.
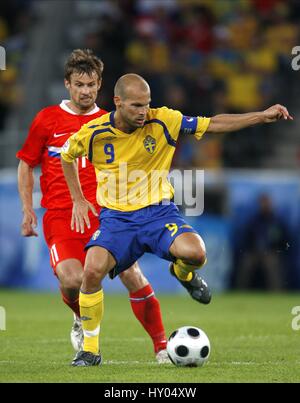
column 188, row 346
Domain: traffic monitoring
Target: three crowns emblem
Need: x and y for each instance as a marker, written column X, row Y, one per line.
column 150, row 144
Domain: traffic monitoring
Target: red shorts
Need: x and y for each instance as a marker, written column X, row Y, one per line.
column 63, row 243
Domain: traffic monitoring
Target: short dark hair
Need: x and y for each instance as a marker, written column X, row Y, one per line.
column 83, row 61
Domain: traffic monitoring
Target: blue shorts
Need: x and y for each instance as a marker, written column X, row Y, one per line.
column 128, row 235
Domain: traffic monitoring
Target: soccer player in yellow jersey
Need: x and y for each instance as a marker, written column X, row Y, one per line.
column 132, row 150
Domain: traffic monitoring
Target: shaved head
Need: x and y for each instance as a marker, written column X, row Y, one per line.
column 132, row 99
column 131, row 84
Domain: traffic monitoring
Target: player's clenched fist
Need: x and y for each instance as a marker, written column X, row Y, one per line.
column 276, row 112
column 29, row 223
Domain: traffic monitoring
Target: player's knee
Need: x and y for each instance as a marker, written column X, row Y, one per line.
column 97, row 265
column 194, row 253
column 196, row 257
column 190, row 248
column 200, row 257
column 70, row 278
column 94, row 271
column 198, row 252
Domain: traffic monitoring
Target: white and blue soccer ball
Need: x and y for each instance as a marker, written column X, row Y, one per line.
column 188, row 346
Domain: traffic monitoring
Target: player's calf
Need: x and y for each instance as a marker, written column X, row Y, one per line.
column 70, row 274
column 98, row 263
column 189, row 250
column 133, row 278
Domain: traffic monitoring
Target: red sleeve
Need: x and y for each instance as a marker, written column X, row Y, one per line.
column 34, row 145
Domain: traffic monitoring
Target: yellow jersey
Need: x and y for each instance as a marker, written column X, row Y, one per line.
column 132, row 169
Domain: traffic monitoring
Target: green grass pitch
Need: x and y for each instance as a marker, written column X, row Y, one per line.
column 251, row 337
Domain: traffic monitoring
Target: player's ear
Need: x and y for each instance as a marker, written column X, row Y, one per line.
column 99, row 84
column 67, row 84
column 117, row 101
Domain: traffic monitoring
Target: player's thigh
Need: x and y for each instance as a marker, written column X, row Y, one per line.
column 70, row 273
column 63, row 243
column 190, row 247
column 119, row 237
column 133, row 278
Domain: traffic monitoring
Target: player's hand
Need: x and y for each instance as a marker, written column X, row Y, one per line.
column 80, row 215
column 276, row 112
column 29, row 223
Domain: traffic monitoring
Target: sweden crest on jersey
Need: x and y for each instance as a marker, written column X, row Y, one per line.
column 150, row 144
column 96, row 235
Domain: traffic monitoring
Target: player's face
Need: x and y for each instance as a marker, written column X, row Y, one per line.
column 83, row 89
column 133, row 110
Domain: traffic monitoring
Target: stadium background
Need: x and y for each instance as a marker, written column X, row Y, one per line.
column 199, row 56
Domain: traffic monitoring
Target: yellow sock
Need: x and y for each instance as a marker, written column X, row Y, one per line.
column 91, row 313
column 184, row 271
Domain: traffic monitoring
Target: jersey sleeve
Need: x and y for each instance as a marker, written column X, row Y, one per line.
column 177, row 124
column 195, row 126
column 34, row 145
column 77, row 145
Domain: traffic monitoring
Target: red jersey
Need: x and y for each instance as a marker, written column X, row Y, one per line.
column 49, row 131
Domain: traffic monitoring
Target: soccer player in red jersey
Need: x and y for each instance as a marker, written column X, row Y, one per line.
column 49, row 131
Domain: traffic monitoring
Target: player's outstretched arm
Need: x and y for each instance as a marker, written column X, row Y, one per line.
column 232, row 122
column 81, row 206
column 25, row 185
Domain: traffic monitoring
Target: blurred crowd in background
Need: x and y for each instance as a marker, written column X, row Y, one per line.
column 15, row 19
column 202, row 57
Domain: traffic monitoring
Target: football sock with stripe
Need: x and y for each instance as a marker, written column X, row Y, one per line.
column 91, row 314
column 184, row 271
column 146, row 308
column 74, row 305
